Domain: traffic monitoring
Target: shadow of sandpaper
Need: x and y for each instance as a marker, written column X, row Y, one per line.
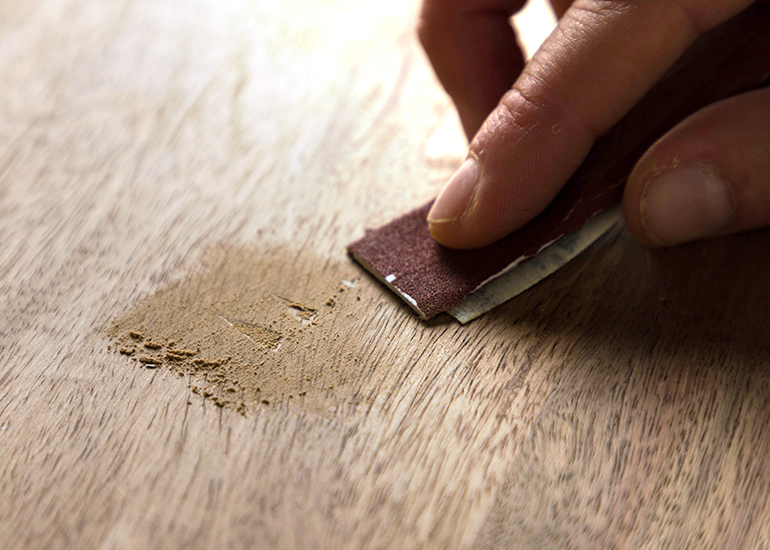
column 704, row 295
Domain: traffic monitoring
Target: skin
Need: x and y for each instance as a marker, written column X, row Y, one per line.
column 530, row 126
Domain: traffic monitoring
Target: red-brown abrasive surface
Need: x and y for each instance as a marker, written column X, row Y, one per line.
column 730, row 59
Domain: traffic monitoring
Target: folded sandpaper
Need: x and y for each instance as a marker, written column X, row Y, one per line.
column 431, row 278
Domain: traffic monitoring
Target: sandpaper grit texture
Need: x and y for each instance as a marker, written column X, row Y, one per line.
column 730, row 59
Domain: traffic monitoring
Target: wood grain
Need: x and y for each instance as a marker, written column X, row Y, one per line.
column 619, row 404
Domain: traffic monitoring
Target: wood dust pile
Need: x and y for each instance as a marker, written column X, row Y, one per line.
column 254, row 329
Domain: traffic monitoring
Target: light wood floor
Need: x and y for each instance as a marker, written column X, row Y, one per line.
column 157, row 150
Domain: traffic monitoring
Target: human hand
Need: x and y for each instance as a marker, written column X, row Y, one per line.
column 708, row 176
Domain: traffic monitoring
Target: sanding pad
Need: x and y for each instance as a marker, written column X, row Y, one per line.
column 431, row 278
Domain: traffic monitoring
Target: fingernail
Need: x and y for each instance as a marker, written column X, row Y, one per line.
column 453, row 200
column 686, row 204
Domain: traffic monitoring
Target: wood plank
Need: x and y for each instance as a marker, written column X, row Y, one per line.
column 181, row 169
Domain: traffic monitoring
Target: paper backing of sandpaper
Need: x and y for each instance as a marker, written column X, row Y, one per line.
column 730, row 59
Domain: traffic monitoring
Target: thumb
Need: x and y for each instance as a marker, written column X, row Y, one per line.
column 707, row 177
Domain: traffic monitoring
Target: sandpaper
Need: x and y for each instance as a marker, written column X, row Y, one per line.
column 728, row 60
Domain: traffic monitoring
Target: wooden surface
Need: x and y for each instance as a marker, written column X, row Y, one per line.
column 158, row 150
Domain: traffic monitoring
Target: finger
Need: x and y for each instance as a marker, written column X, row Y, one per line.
column 709, row 176
column 600, row 61
column 473, row 50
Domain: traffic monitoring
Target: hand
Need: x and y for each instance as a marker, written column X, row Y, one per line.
column 708, row 176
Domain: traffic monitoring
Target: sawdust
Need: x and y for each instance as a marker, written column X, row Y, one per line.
column 262, row 335
column 252, row 330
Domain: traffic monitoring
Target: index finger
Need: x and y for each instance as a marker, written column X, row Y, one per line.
column 601, row 59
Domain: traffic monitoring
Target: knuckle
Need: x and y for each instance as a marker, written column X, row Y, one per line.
column 515, row 116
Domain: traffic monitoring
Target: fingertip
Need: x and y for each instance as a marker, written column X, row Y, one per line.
column 461, row 233
column 706, row 177
column 442, row 232
column 632, row 203
column 686, row 203
column 449, row 234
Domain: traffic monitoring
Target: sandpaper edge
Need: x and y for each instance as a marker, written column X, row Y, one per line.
column 498, row 290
